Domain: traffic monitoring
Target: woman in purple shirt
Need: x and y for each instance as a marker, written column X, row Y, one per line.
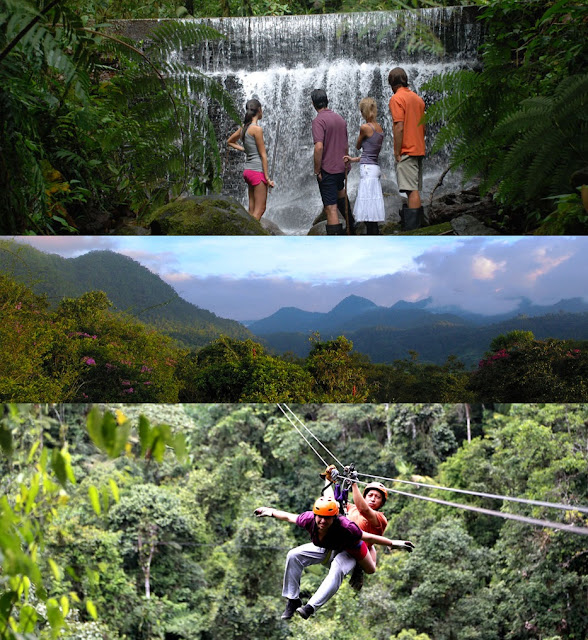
column 335, row 539
column 369, row 204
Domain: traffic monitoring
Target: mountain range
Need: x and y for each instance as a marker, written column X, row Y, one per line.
column 386, row 334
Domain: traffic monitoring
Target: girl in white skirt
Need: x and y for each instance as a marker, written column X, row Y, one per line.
column 369, row 204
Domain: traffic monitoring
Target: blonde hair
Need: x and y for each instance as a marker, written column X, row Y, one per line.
column 368, row 109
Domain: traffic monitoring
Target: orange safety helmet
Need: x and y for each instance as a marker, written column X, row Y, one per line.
column 325, row 507
column 378, row 486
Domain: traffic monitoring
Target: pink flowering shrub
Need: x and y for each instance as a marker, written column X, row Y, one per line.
column 535, row 371
column 80, row 352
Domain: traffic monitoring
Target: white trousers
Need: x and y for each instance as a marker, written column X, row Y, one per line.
column 304, row 556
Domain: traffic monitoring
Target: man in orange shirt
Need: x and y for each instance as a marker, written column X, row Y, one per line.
column 407, row 111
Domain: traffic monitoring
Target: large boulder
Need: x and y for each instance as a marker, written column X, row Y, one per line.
column 466, row 225
column 202, row 216
column 271, row 227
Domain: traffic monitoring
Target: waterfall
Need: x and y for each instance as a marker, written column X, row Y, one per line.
column 279, row 60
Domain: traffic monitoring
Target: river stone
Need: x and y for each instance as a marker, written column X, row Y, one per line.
column 318, row 229
column 203, row 216
column 469, row 226
column 271, row 227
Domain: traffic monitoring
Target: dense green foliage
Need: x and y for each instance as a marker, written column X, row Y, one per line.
column 138, row 523
column 83, row 351
column 521, row 122
column 92, row 126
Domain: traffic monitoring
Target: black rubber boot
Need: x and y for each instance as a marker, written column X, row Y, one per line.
column 341, row 207
column 291, row 606
column 412, row 218
column 335, row 229
column 372, row 229
column 401, row 213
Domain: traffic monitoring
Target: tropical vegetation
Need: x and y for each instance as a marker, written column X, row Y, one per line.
column 97, row 129
column 136, row 521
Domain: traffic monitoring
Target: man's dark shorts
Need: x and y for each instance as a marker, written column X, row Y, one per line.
column 330, row 184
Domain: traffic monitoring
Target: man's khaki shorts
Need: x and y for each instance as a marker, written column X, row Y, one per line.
column 409, row 172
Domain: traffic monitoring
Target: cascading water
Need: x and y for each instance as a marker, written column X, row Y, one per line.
column 280, row 60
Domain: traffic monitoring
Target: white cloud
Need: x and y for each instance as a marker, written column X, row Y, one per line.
column 484, row 268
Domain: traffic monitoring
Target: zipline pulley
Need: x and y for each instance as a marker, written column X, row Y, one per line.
column 341, row 483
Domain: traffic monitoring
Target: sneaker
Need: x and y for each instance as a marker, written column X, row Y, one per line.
column 306, row 611
column 356, row 580
column 291, row 608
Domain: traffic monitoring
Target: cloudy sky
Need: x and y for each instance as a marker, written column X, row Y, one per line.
column 249, row 278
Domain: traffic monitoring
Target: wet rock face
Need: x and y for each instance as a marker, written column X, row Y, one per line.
column 202, row 216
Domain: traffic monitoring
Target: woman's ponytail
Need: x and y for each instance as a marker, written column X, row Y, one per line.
column 251, row 108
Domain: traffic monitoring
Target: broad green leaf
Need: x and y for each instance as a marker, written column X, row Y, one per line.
column 55, row 569
column 64, row 605
column 94, row 499
column 105, row 498
column 5, row 440
column 7, row 599
column 54, row 615
column 114, row 489
column 28, row 618
column 91, row 609
column 145, row 434
column 32, row 493
column 33, row 450
column 58, row 465
column 94, row 424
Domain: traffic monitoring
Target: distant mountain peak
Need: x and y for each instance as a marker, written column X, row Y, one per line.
column 354, row 303
column 419, row 304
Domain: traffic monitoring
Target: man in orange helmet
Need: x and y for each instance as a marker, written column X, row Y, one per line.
column 334, row 538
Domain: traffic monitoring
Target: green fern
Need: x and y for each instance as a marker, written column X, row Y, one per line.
column 139, row 137
column 546, row 140
column 520, row 123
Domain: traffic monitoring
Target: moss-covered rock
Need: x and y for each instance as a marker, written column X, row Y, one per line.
column 202, row 216
column 393, row 228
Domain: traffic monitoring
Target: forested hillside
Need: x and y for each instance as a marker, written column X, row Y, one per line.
column 130, row 287
column 119, row 526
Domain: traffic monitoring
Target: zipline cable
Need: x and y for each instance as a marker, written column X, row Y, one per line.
column 458, row 505
column 303, row 436
column 501, row 514
column 311, row 433
column 538, row 503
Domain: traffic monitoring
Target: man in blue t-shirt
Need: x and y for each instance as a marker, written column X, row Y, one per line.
column 334, row 538
column 331, row 143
